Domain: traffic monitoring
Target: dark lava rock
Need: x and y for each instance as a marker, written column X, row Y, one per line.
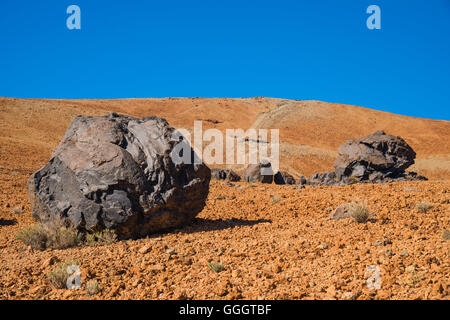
column 326, row 178
column 261, row 172
column 302, row 180
column 376, row 158
column 117, row 172
column 226, row 174
column 282, row 177
column 380, row 153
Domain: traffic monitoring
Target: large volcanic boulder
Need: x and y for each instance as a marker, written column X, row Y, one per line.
column 224, row 174
column 261, row 172
column 117, row 172
column 378, row 155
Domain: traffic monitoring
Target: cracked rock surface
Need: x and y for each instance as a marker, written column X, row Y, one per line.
column 117, row 172
column 376, row 158
column 378, row 155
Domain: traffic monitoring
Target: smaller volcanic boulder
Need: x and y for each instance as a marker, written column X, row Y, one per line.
column 326, row 178
column 378, row 155
column 227, row 174
column 261, row 172
column 283, row 177
column 302, row 180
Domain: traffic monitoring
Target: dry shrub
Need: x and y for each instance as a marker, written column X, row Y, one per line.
column 275, row 198
column 446, row 235
column 216, row 267
column 423, row 207
column 359, row 211
column 92, row 287
column 52, row 235
column 106, row 236
column 58, row 277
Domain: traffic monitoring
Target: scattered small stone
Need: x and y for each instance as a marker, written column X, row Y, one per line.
column 276, row 268
column 17, row 210
column 156, row 268
column 145, row 249
column 38, row 290
column 410, row 268
column 382, row 242
column 348, row 296
column 322, row 246
column 404, row 253
column 341, row 212
column 388, row 253
column 50, row 261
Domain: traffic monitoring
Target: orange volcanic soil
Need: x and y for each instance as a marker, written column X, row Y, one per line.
column 275, row 242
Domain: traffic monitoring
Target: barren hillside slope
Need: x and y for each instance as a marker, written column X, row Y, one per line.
column 310, row 131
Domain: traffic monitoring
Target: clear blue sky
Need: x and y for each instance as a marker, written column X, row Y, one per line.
column 295, row 49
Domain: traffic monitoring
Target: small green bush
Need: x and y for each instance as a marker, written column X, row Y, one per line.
column 106, row 236
column 216, row 267
column 354, row 179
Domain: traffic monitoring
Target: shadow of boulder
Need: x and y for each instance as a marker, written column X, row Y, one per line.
column 200, row 225
column 4, row 222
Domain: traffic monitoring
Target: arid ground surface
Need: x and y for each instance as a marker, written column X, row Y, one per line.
column 275, row 242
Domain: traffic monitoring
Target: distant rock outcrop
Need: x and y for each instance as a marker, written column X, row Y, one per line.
column 117, row 172
column 326, row 178
column 261, row 172
column 378, row 154
column 227, row 174
column 282, row 177
column 378, row 157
